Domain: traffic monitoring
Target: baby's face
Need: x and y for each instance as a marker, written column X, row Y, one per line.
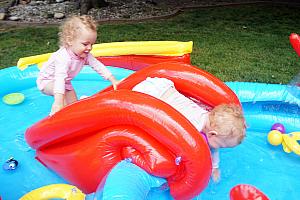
column 222, row 141
column 82, row 44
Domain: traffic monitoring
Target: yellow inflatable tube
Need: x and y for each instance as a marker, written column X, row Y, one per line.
column 23, row 63
column 55, row 191
column 160, row 48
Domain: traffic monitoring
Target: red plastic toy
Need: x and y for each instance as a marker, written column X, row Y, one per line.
column 295, row 42
column 246, row 192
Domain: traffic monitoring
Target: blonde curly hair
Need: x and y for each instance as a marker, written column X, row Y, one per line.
column 229, row 120
column 72, row 27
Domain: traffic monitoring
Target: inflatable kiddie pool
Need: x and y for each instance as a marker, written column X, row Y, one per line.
column 258, row 101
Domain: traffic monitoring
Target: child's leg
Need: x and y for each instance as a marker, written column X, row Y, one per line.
column 70, row 96
column 48, row 90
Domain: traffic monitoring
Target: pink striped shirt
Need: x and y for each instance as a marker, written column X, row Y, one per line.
column 63, row 66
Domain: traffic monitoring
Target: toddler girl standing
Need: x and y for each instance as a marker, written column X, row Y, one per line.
column 77, row 35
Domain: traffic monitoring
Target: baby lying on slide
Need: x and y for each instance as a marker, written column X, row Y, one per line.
column 223, row 126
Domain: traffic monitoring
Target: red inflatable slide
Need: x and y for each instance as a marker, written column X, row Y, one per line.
column 85, row 140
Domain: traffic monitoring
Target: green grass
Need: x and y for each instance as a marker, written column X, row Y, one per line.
column 240, row 43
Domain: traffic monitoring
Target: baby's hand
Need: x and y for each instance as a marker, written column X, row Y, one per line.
column 55, row 107
column 216, row 175
column 115, row 84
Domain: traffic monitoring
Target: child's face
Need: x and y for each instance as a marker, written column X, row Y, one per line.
column 82, row 44
column 222, row 141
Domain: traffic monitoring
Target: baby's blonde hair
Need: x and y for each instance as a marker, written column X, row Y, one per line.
column 229, row 120
column 72, row 26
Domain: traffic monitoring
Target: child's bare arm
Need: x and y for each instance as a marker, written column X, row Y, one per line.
column 216, row 174
column 215, row 164
column 58, row 103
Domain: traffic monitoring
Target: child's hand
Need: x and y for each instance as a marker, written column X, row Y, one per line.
column 216, row 175
column 58, row 103
column 114, row 82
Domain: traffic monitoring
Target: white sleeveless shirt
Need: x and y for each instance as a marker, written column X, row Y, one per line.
column 164, row 89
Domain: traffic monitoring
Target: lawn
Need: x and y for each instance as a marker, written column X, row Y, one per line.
column 239, row 43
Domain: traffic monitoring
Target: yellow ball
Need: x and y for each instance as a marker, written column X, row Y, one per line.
column 275, row 137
